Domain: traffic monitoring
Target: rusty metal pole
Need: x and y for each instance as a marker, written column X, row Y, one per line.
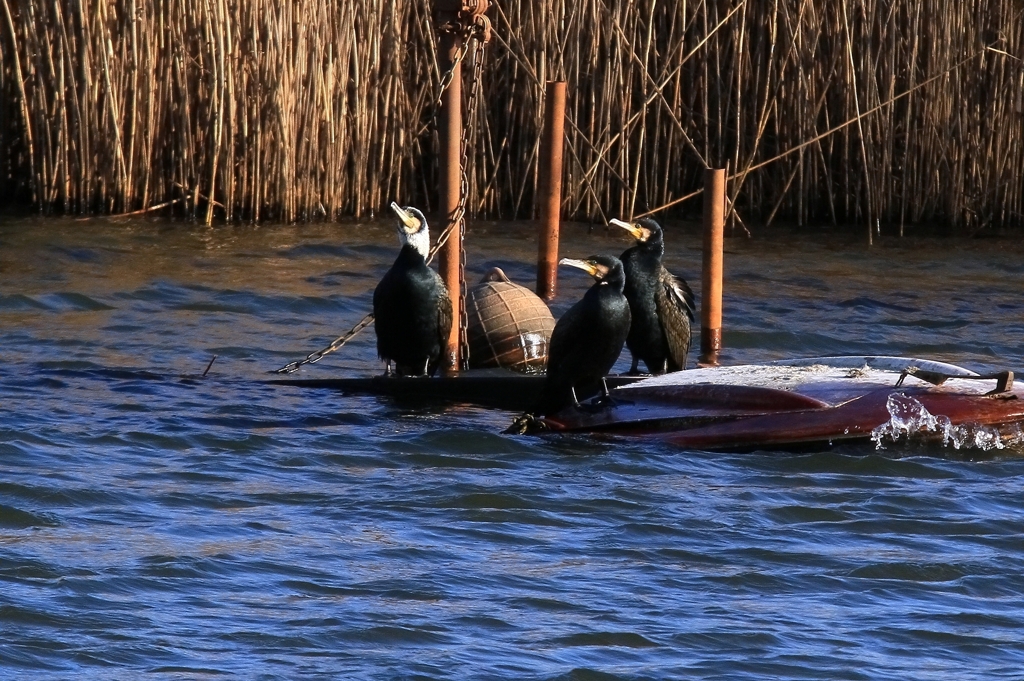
column 549, row 189
column 711, row 289
column 449, row 132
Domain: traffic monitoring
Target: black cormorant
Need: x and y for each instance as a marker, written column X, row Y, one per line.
column 411, row 307
column 588, row 338
column 660, row 302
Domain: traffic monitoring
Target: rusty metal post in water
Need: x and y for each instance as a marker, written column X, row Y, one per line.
column 449, row 131
column 549, row 189
column 711, row 288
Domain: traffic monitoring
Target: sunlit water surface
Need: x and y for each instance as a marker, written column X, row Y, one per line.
column 155, row 523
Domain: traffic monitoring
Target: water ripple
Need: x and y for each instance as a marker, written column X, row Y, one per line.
column 156, row 522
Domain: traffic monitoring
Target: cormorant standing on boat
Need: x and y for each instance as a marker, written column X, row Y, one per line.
column 660, row 302
column 411, row 308
column 588, row 338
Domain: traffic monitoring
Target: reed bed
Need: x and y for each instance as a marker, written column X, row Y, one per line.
column 872, row 113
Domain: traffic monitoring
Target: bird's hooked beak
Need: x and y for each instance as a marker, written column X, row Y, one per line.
column 592, row 268
column 410, row 223
column 639, row 233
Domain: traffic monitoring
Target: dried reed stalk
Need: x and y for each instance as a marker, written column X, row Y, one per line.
column 861, row 112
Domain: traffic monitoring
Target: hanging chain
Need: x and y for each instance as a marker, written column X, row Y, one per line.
column 449, row 75
column 468, row 124
column 479, row 30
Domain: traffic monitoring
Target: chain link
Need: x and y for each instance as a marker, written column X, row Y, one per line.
column 468, row 124
column 446, row 79
column 479, row 31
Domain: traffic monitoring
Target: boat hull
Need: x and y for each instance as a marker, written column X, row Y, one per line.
column 786, row 405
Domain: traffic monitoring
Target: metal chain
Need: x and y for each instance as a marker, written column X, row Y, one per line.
column 449, row 75
column 336, row 344
column 474, row 86
column 476, row 32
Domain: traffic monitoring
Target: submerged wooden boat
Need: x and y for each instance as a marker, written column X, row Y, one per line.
column 817, row 401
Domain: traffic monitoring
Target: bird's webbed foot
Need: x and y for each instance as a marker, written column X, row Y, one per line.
column 605, row 399
column 601, row 402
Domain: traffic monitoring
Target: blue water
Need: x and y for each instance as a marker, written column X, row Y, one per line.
column 156, row 523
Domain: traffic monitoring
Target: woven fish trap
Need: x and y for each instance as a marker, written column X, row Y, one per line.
column 509, row 326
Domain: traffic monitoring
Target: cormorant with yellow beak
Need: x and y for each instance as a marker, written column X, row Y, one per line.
column 588, row 338
column 411, row 307
column 661, row 303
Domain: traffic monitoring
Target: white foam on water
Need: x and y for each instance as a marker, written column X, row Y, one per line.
column 907, row 417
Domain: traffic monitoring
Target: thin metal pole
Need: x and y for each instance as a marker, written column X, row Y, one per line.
column 711, row 289
column 450, row 136
column 549, row 189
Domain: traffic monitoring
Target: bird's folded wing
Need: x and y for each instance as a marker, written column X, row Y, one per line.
column 674, row 301
column 677, row 288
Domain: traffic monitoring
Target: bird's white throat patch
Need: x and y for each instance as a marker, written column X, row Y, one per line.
column 419, row 240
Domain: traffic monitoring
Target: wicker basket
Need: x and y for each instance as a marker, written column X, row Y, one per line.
column 509, row 326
